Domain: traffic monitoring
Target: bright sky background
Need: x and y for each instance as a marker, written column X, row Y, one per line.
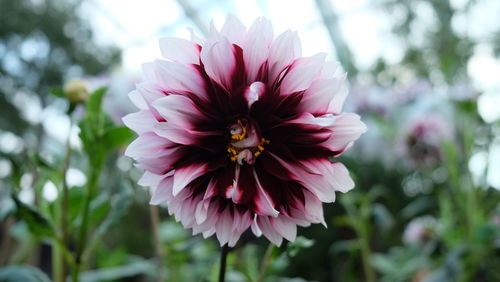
column 135, row 26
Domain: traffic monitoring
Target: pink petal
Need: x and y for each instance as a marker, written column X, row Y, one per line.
column 302, row 73
column 140, row 122
column 346, row 129
column 254, row 92
column 178, row 77
column 263, row 200
column 329, row 69
column 335, row 173
column 160, row 164
column 174, row 133
column 212, row 216
column 162, row 193
column 256, row 46
column 184, row 175
column 341, row 180
column 234, row 192
column 285, row 227
column 255, row 227
column 219, row 61
column 313, row 208
column 314, row 181
column 268, row 230
column 194, row 37
column 147, row 144
column 178, row 110
column 149, row 179
column 323, row 96
column 245, row 221
column 234, row 30
column 150, row 92
column 337, row 102
column 180, row 50
column 224, row 227
column 136, row 97
column 201, row 212
column 284, row 49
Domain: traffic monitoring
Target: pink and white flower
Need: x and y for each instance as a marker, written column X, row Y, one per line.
column 420, row 229
column 423, row 139
column 236, row 132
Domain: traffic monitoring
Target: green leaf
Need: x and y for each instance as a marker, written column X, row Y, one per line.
column 119, row 207
column 25, row 273
column 383, row 217
column 95, row 101
column 140, row 266
column 299, row 243
column 117, row 137
column 76, row 200
column 345, row 246
column 57, row 91
column 37, row 223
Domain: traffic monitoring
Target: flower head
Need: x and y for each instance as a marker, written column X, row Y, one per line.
column 420, row 229
column 423, row 139
column 236, row 132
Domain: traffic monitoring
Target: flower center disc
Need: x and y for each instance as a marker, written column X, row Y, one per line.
column 245, row 144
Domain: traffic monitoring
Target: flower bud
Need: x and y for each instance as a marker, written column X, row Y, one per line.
column 76, row 91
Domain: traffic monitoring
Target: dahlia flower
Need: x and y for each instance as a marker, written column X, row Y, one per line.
column 236, row 132
column 423, row 139
column 420, row 229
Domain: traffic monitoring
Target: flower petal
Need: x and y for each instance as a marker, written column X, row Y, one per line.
column 267, row 229
column 140, row 122
column 234, row 30
column 163, row 192
column 174, row 133
column 149, row 179
column 284, row 226
column 178, row 77
column 262, row 200
column 136, row 97
column 178, row 110
column 219, row 61
column 256, row 46
column 346, row 129
column 302, row 73
column 313, row 208
column 147, row 144
column 254, row 92
column 224, row 226
column 180, row 50
column 324, row 96
column 341, row 178
column 184, row 175
column 314, row 181
column 284, row 49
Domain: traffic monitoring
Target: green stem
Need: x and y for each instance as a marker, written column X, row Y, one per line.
column 223, row 262
column 82, row 238
column 366, row 254
column 64, row 204
column 266, row 261
column 155, row 222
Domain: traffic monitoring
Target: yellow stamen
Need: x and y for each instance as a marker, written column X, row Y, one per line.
column 240, row 136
